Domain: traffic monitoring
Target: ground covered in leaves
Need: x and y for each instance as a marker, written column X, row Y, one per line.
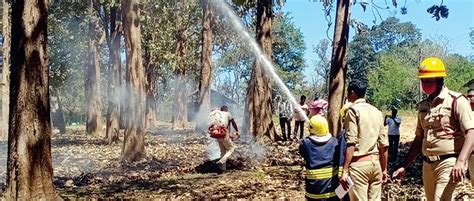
column 177, row 167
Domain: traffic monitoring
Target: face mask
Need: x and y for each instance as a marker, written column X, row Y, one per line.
column 428, row 87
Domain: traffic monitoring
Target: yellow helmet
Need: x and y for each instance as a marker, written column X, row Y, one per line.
column 318, row 125
column 431, row 67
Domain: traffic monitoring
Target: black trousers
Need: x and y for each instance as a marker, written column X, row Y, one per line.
column 393, row 141
column 285, row 125
column 299, row 125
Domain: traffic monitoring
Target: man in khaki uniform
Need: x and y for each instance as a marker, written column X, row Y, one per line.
column 444, row 133
column 470, row 97
column 366, row 153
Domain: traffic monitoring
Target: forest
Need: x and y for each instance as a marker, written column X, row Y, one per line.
column 110, row 99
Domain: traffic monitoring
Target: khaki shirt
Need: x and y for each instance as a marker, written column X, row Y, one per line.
column 367, row 133
column 442, row 133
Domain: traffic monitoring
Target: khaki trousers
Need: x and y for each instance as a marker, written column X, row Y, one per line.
column 226, row 146
column 437, row 180
column 471, row 170
column 367, row 178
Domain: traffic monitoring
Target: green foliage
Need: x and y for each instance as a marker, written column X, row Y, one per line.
column 471, row 40
column 363, row 49
column 460, row 71
column 361, row 56
column 391, row 32
column 67, row 51
column 160, row 29
column 387, row 56
column 234, row 61
column 288, row 50
column 323, row 63
column 394, row 82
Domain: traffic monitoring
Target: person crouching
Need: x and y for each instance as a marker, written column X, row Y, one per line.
column 319, row 152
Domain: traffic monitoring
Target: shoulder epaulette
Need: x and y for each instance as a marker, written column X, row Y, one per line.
column 455, row 94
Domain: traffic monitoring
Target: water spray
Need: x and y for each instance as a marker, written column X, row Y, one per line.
column 239, row 27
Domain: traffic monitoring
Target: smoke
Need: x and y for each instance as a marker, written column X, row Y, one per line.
column 213, row 151
column 256, row 152
column 267, row 65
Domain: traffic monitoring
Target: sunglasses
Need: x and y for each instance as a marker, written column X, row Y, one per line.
column 470, row 96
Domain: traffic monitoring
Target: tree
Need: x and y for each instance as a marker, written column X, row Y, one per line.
column 67, row 48
column 471, row 40
column 259, row 119
column 206, row 53
column 134, row 140
column 337, row 74
column 29, row 165
column 363, row 49
column 391, row 32
column 288, row 49
column 460, row 71
column 114, row 79
column 361, row 56
column 150, row 71
column 234, row 64
column 186, row 56
column 323, row 64
column 92, row 84
column 5, row 70
column 393, row 82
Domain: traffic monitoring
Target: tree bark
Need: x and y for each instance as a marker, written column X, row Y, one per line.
column 134, row 141
column 206, row 58
column 150, row 89
column 29, row 166
column 338, row 70
column 57, row 117
column 259, row 119
column 113, row 110
column 93, row 97
column 5, row 71
column 180, row 112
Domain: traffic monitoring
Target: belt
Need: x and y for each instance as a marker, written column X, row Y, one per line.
column 431, row 159
column 369, row 157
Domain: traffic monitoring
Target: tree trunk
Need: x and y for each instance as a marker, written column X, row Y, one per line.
column 206, row 67
column 57, row 117
column 259, row 119
column 113, row 110
column 134, row 140
column 180, row 112
column 180, row 117
column 93, row 98
column 29, row 166
column 5, row 71
column 338, row 65
column 150, row 89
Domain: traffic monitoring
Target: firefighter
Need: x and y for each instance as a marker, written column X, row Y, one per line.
column 444, row 133
column 321, row 156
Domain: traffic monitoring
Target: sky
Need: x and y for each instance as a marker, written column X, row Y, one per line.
column 308, row 15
